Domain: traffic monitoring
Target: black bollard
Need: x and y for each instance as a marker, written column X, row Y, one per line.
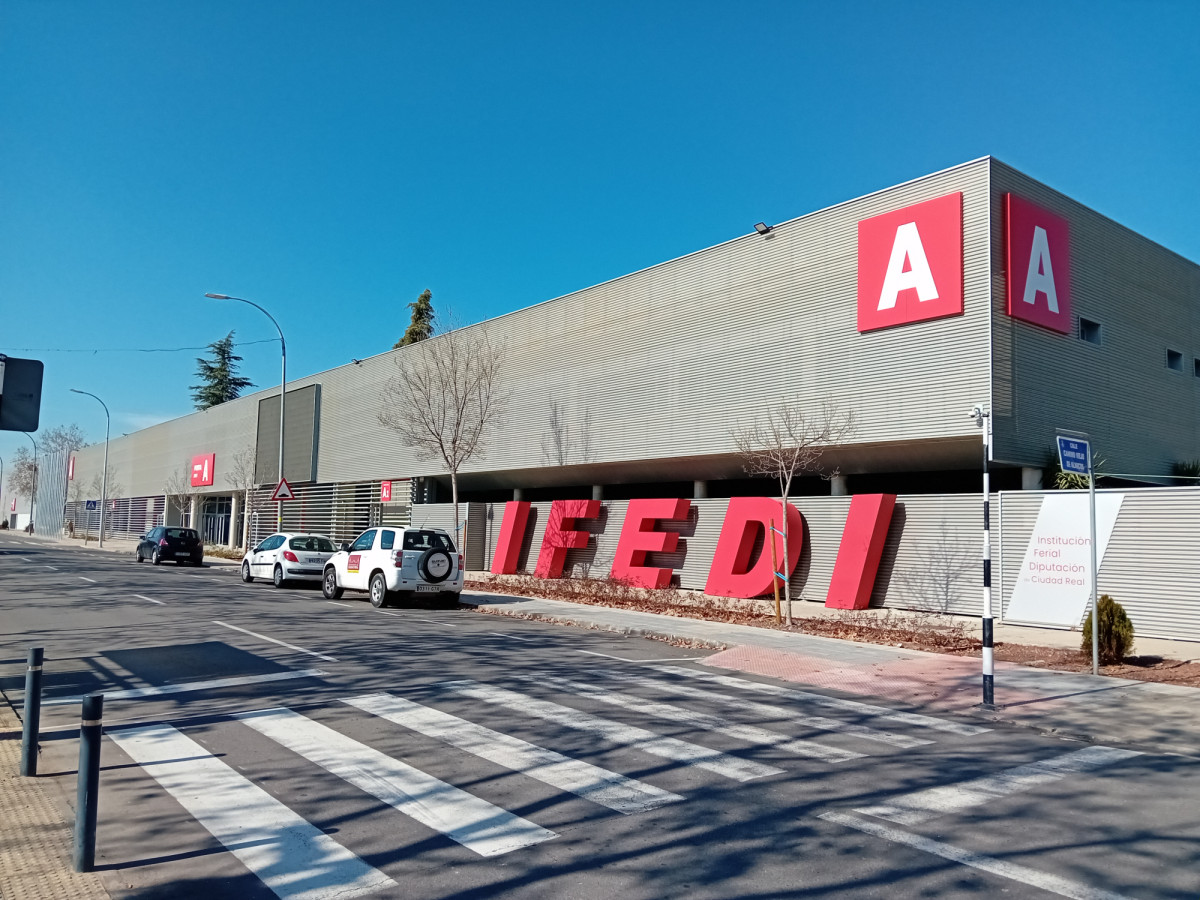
column 32, row 715
column 88, row 782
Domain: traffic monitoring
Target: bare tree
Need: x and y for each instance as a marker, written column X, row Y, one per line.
column 242, row 478
column 22, row 473
column 561, row 444
column 785, row 442
column 61, row 437
column 115, row 490
column 445, row 398
column 178, row 488
column 941, row 571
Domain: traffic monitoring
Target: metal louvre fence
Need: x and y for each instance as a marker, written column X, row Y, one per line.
column 341, row 511
column 126, row 517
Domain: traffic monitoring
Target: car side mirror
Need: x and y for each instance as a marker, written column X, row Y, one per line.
column 345, row 548
column 141, row 537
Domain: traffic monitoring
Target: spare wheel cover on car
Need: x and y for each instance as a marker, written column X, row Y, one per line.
column 434, row 565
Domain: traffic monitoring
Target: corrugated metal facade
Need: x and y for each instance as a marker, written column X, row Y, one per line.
column 1151, row 565
column 647, row 367
column 1142, row 416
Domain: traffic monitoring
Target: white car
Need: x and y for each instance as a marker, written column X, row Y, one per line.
column 396, row 563
column 288, row 557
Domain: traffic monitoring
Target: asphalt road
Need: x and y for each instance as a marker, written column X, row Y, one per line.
column 262, row 743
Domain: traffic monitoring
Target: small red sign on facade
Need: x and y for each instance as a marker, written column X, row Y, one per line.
column 910, row 264
column 385, row 492
column 1038, row 249
column 203, row 468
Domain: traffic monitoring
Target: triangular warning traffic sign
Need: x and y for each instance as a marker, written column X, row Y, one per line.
column 283, row 491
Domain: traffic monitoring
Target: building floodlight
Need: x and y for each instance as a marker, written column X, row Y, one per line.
column 763, row 228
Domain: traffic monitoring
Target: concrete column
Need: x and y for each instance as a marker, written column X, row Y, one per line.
column 233, row 517
column 700, row 490
column 518, row 493
column 597, row 492
column 839, row 486
column 193, row 512
column 1031, row 479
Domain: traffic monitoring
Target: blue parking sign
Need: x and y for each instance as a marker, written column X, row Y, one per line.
column 1074, row 454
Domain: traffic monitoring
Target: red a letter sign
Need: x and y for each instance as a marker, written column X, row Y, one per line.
column 732, row 574
column 203, row 468
column 858, row 556
column 512, row 535
column 561, row 534
column 638, row 538
column 910, row 264
column 1038, row 249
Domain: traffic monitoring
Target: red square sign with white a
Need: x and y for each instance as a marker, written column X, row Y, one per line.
column 1038, row 244
column 385, row 492
column 910, row 264
column 202, row 469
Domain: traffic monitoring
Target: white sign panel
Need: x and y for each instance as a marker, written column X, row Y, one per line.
column 1054, row 585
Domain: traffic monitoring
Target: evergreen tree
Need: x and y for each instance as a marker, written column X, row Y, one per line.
column 421, row 326
column 218, row 376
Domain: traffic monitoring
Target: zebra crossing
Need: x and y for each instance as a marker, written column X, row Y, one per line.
column 298, row 861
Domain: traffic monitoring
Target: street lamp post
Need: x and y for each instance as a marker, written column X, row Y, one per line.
column 104, row 474
column 282, row 390
column 33, row 488
column 983, row 420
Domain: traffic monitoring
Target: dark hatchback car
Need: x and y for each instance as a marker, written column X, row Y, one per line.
column 179, row 545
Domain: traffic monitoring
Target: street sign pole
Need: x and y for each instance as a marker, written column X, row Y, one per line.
column 1095, row 572
column 1075, row 456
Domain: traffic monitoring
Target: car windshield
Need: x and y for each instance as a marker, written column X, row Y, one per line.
column 181, row 533
column 427, row 540
column 311, row 544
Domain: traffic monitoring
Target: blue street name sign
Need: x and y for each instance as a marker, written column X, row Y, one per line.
column 91, row 504
column 1074, row 454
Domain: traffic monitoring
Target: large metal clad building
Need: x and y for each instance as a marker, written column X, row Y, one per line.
column 651, row 371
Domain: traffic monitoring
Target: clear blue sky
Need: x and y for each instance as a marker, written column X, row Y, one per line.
column 331, row 160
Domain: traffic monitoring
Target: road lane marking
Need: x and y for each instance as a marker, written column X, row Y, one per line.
column 384, row 612
column 1055, row 884
column 149, row 599
column 89, row 580
column 822, row 700
column 292, row 857
column 656, row 660
column 511, row 637
column 628, row 735
column 335, row 603
column 192, row 686
column 24, row 559
column 276, row 641
column 479, row 826
column 767, row 710
column 920, row 806
column 751, row 734
column 55, row 568
column 625, row 795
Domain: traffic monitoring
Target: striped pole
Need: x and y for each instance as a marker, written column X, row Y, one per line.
column 988, row 680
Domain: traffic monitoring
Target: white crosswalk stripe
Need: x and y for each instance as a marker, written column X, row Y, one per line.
column 920, row 806
column 855, row 706
column 478, row 825
column 752, row 734
column 628, row 735
column 625, row 795
column 292, row 857
column 766, row 710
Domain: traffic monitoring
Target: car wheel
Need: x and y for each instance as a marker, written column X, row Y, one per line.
column 277, row 578
column 246, row 576
column 329, row 585
column 137, row 555
column 379, row 591
column 156, row 558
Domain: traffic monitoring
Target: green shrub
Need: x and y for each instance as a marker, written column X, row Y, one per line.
column 1116, row 631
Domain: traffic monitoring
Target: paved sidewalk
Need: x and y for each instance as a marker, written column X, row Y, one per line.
column 1157, row 717
column 35, row 834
